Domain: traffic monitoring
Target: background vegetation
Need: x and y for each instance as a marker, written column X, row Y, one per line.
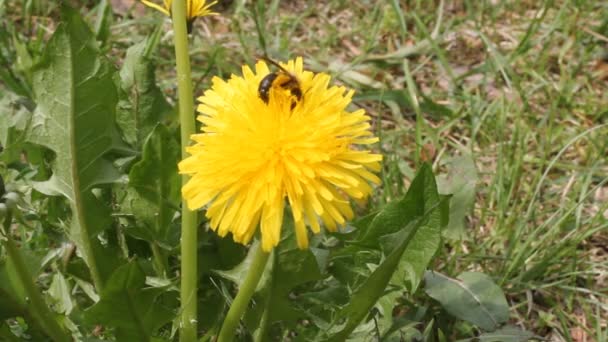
column 507, row 99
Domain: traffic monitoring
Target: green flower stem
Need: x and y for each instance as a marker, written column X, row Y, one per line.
column 189, row 239
column 263, row 328
column 36, row 306
column 239, row 305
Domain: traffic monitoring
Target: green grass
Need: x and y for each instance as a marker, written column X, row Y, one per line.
column 524, row 101
column 514, row 85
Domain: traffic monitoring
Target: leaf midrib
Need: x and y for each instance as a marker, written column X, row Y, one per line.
column 461, row 284
column 78, row 203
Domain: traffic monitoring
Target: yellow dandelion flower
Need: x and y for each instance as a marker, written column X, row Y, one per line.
column 194, row 9
column 254, row 155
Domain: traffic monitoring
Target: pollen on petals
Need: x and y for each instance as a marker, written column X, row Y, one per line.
column 252, row 158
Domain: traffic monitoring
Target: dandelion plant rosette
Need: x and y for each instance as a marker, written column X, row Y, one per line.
column 252, row 157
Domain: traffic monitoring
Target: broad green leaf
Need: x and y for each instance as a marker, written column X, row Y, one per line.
column 142, row 104
column 346, row 261
column 75, row 114
column 280, row 297
column 460, row 181
column 76, row 100
column 402, row 220
column 396, row 215
column 293, row 267
column 424, row 243
column 288, row 268
column 418, row 255
column 136, row 312
column 154, row 187
column 507, row 333
column 60, row 291
column 472, row 297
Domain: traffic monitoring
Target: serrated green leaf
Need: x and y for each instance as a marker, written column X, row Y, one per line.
column 417, row 213
column 135, row 311
column 293, row 267
column 397, row 214
column 142, row 104
column 153, row 196
column 422, row 250
column 75, row 114
column 418, row 255
column 460, row 181
column 288, row 268
column 60, row 292
column 76, row 99
column 424, row 243
column 472, row 297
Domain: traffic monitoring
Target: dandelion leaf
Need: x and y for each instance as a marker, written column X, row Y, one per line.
column 417, row 217
column 153, row 196
column 142, row 104
column 76, row 98
column 472, row 297
column 128, row 305
column 460, row 181
column 293, row 268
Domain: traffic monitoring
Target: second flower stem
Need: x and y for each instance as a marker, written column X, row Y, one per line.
column 246, row 291
column 264, row 322
column 189, row 238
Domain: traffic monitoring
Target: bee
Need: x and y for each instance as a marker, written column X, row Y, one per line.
column 281, row 79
